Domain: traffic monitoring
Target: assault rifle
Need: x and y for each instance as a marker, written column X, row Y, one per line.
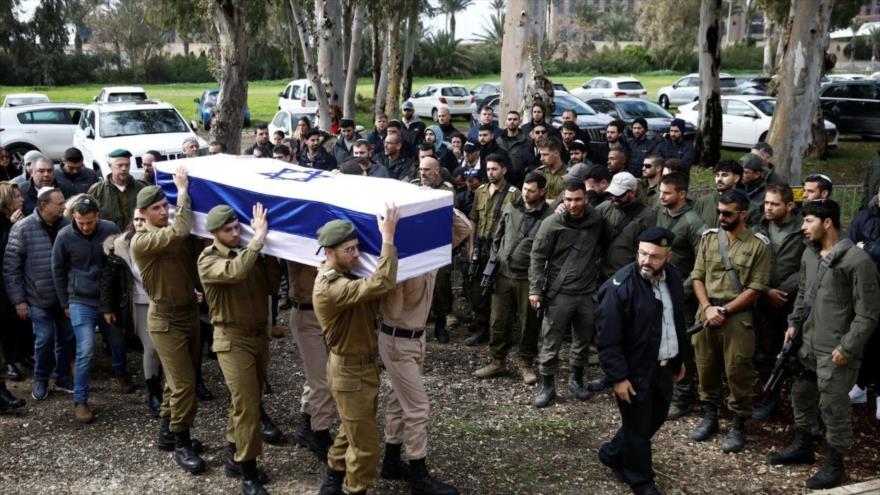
column 545, row 286
column 489, row 273
column 786, row 361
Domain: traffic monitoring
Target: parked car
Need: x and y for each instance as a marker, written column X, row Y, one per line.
column 482, row 91
column 18, row 99
column 752, row 85
column 136, row 126
column 587, row 118
column 559, row 87
column 45, row 127
column 853, row 106
column 687, row 89
column 297, row 95
column 286, row 120
column 119, row 94
column 206, row 106
column 610, row 87
column 746, row 120
column 457, row 98
column 628, row 109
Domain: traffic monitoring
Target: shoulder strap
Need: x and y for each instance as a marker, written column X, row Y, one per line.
column 824, row 265
column 528, row 224
column 568, row 264
column 499, row 203
column 627, row 219
column 728, row 266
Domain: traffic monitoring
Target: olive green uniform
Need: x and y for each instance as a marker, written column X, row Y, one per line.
column 843, row 317
column 571, row 305
column 648, row 194
column 117, row 206
column 346, row 308
column 555, row 182
column 237, row 284
column 622, row 229
column 688, row 229
column 483, row 215
column 441, row 299
column 729, row 348
column 512, row 246
column 707, row 207
column 166, row 258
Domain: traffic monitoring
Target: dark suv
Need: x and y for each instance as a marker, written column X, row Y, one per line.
column 853, row 106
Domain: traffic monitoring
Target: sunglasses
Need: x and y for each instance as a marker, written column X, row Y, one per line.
column 647, row 165
column 540, row 132
column 727, row 213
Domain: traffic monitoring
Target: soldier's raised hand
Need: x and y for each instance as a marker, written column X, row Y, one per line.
column 388, row 222
column 181, row 178
column 260, row 222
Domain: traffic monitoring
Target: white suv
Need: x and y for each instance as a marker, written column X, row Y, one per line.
column 137, row 127
column 121, row 94
column 687, row 89
column 46, row 127
column 610, row 87
column 297, row 95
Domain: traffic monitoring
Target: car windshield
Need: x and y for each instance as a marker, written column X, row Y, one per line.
column 568, row 102
column 122, row 97
column 630, row 85
column 765, row 106
column 25, row 100
column 141, row 121
column 728, row 82
column 644, row 109
column 454, row 91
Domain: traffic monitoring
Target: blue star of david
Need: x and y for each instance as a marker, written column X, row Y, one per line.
column 295, row 174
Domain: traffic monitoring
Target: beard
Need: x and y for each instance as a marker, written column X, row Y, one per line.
column 730, row 225
column 648, row 274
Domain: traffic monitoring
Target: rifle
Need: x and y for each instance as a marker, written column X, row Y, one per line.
column 489, row 273
column 545, row 286
column 696, row 328
column 475, row 259
column 786, row 360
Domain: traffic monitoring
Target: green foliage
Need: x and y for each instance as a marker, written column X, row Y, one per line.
column 485, row 59
column 179, row 69
column 742, row 57
column 441, row 55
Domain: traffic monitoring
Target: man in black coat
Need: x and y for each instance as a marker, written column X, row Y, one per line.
column 641, row 339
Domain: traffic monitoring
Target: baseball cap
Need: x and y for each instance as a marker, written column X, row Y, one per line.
column 621, row 183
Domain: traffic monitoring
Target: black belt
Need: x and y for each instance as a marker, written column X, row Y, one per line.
column 301, row 306
column 401, row 332
column 718, row 302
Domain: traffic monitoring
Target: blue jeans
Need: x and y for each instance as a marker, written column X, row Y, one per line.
column 84, row 318
column 53, row 344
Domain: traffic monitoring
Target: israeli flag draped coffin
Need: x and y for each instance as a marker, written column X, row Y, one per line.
column 300, row 200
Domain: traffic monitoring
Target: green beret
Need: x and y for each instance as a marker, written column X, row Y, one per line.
column 219, row 216
column 752, row 161
column 335, row 232
column 148, row 196
column 119, row 152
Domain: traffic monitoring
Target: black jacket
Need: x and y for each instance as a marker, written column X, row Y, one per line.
column 865, row 227
column 629, row 326
column 322, row 161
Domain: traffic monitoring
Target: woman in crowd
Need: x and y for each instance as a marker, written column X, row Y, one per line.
column 16, row 337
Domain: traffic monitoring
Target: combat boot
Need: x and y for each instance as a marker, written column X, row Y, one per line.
column 184, row 455
column 496, row 368
column 165, row 439
column 831, row 473
column 678, row 410
column 422, row 483
column 318, row 442
column 236, row 469
column 547, row 394
column 576, row 384
column 440, row 332
column 599, row 384
column 527, row 371
column 801, row 451
column 393, row 467
column 271, row 433
column 767, row 409
column 480, row 337
column 154, row 395
column 252, row 479
column 8, row 402
column 332, row 484
column 735, row 440
column 708, row 426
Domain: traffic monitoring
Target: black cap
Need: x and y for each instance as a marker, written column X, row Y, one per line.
column 577, row 144
column 346, row 123
column 73, row 155
column 471, row 146
column 658, row 236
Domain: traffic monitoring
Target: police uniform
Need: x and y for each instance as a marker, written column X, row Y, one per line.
column 346, row 307
column 237, row 283
column 166, row 259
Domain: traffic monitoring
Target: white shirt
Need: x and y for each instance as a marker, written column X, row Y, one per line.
column 668, row 338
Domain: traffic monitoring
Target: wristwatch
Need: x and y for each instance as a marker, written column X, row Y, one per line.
column 723, row 310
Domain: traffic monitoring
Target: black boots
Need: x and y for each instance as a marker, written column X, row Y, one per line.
column 423, row 483
column 576, row 384
column 599, row 384
column 154, row 395
column 184, row 455
column 831, row 473
column 238, row 469
column 202, row 391
column 318, row 442
column 735, row 440
column 547, row 394
column 801, row 451
column 271, row 433
column 165, row 439
column 440, row 332
column 8, row 402
column 481, row 336
column 393, row 467
column 708, row 427
column 767, row 409
column 332, row 484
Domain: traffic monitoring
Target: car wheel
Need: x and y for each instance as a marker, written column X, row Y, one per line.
column 434, row 115
column 664, row 101
column 17, row 152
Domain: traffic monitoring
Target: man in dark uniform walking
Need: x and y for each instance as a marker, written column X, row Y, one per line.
column 641, row 339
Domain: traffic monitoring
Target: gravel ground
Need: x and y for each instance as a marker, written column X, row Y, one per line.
column 484, row 437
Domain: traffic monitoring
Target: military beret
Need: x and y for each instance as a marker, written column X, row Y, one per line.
column 120, row 153
column 335, row 232
column 658, row 236
column 219, row 216
column 752, row 161
column 148, row 196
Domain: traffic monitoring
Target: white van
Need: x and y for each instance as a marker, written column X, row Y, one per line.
column 297, row 95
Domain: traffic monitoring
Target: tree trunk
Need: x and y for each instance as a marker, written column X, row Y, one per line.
column 232, row 40
column 412, row 37
column 185, row 39
column 382, row 88
column 768, row 46
column 328, row 14
column 354, row 57
column 347, row 9
column 802, row 66
column 293, row 43
column 782, row 37
column 522, row 64
column 707, row 150
column 77, row 41
column 377, row 50
column 452, row 25
column 311, row 69
column 392, row 108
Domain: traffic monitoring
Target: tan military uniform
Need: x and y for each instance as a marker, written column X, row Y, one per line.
column 730, row 347
column 346, row 308
column 316, row 400
column 167, row 262
column 555, row 182
column 237, row 283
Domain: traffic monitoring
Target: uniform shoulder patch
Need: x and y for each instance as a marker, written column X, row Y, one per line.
column 511, row 189
column 711, row 231
column 331, row 275
column 417, row 182
column 763, row 238
column 620, row 277
column 448, row 185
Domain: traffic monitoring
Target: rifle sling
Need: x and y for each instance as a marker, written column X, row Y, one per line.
column 568, row 264
column 728, row 266
column 824, row 265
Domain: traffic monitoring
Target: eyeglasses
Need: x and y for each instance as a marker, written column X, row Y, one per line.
column 650, row 256
column 727, row 213
column 350, row 249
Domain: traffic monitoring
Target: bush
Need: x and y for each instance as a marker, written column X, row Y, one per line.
column 485, row 59
column 742, row 57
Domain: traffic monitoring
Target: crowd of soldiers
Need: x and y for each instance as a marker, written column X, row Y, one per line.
column 551, row 227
